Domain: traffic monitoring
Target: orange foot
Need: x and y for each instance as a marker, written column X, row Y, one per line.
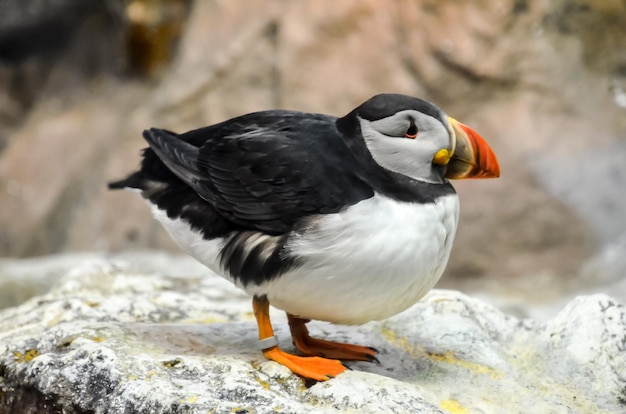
column 328, row 349
column 318, row 369
column 315, row 368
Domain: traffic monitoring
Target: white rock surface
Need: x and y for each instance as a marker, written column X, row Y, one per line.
column 165, row 336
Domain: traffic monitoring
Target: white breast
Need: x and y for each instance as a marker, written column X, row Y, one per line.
column 371, row 261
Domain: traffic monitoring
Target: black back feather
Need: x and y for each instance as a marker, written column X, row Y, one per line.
column 268, row 171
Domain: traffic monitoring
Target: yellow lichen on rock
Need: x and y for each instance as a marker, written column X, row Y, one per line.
column 27, row 356
column 401, row 342
column 449, row 358
column 453, row 407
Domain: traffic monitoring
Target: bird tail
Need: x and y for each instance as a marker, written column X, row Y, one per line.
column 134, row 180
column 179, row 156
column 167, row 157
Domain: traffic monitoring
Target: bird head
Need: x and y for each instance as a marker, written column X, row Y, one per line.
column 413, row 137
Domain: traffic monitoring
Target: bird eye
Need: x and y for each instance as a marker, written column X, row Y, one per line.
column 412, row 131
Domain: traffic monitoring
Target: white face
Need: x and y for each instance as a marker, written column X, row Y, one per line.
column 391, row 143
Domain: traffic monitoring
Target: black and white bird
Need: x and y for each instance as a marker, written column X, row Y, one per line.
column 345, row 220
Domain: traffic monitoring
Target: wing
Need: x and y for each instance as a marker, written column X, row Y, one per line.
column 266, row 171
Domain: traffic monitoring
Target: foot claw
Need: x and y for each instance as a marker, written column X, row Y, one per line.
column 374, row 360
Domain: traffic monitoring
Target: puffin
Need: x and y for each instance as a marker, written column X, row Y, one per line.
column 344, row 220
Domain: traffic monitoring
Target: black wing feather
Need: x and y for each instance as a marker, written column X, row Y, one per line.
column 265, row 171
column 179, row 156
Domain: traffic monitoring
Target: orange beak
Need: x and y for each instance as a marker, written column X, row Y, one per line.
column 472, row 156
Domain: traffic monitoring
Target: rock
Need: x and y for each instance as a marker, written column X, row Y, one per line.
column 163, row 335
column 49, row 48
column 63, row 50
column 20, row 280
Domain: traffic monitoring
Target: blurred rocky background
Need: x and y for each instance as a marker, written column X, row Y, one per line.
column 543, row 82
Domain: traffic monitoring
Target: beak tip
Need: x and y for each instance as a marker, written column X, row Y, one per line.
column 475, row 156
column 492, row 167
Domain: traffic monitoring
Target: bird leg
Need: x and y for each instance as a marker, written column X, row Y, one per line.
column 316, row 368
column 328, row 349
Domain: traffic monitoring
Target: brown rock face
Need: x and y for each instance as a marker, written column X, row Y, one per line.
column 543, row 82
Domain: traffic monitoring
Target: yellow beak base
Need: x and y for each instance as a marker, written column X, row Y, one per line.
column 442, row 157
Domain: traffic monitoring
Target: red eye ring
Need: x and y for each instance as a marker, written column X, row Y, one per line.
column 412, row 132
